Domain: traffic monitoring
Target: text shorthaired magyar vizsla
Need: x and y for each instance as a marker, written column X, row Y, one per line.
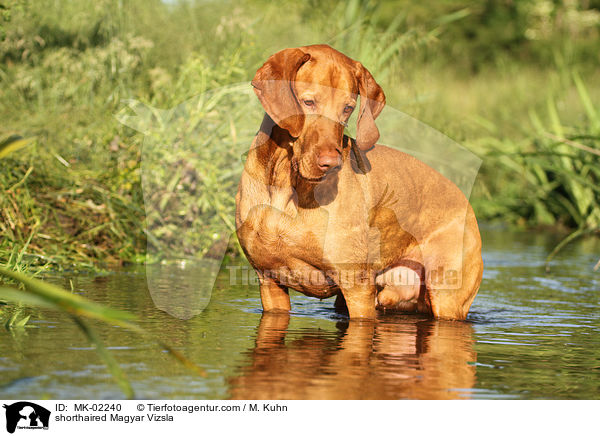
column 327, row 215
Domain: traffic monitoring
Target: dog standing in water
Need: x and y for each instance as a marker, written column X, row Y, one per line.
column 328, row 215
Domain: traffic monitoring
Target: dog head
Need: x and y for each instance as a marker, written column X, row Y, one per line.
column 311, row 92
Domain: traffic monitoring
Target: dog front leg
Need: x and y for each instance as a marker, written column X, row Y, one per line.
column 360, row 300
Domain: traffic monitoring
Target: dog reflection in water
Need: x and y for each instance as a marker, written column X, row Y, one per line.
column 392, row 358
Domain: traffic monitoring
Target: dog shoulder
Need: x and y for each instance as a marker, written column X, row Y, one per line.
column 404, row 172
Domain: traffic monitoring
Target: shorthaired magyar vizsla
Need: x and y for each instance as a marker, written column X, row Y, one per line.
column 328, row 215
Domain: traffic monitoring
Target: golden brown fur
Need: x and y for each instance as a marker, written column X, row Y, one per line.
column 327, row 215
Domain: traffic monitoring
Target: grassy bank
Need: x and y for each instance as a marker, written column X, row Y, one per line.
column 516, row 84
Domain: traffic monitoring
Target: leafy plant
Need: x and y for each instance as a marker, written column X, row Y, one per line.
column 559, row 170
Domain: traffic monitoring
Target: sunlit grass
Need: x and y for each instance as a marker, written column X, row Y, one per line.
column 72, row 197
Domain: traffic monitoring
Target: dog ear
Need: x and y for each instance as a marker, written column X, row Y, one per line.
column 274, row 86
column 372, row 101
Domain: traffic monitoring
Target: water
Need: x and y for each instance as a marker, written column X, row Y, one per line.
column 529, row 335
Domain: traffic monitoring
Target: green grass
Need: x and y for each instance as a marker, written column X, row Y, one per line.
column 555, row 167
column 516, row 92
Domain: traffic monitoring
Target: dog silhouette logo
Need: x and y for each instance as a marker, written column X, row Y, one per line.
column 26, row 415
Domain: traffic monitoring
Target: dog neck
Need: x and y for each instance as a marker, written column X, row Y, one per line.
column 316, row 194
column 271, row 161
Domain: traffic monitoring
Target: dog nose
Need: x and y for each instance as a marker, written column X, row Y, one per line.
column 329, row 161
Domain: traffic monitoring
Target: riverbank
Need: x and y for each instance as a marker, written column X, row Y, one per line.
column 73, row 196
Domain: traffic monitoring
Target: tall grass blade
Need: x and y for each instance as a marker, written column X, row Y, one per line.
column 46, row 295
column 12, row 295
column 21, row 297
column 571, row 237
column 22, row 322
column 71, row 303
column 182, row 359
column 574, row 144
column 586, row 101
column 107, row 357
column 12, row 144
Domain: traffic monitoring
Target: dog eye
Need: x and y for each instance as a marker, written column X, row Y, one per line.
column 309, row 103
column 348, row 109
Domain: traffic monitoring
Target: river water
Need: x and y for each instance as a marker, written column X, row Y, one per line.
column 529, row 335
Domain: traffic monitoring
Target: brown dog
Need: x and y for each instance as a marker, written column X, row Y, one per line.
column 327, row 215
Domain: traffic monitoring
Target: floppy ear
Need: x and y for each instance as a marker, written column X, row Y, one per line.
column 273, row 84
column 372, row 101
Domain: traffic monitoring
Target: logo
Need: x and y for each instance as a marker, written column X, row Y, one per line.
column 26, row 415
column 195, row 167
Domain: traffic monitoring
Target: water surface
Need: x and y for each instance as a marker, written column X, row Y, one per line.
column 529, row 335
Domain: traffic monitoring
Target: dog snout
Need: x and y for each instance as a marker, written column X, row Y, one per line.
column 329, row 160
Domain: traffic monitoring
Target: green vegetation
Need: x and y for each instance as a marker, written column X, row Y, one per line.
column 105, row 107
column 515, row 82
